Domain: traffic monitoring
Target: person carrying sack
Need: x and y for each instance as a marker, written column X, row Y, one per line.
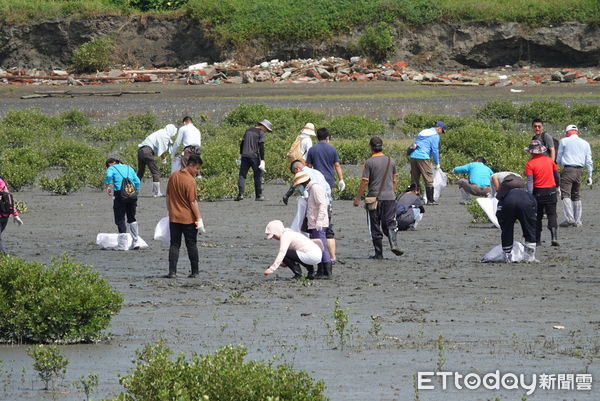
column 379, row 175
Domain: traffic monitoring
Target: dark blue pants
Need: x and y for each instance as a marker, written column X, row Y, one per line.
column 520, row 205
column 246, row 164
column 122, row 208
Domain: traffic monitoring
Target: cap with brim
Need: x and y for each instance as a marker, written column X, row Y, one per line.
column 275, row 227
column 571, row 127
column 300, row 178
column 267, row 124
column 440, row 124
column 536, row 148
column 309, row 129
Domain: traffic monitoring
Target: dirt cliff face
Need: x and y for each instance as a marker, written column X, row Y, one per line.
column 177, row 42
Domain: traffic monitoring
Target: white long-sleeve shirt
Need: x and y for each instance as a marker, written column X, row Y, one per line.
column 187, row 135
column 290, row 239
column 160, row 141
column 574, row 151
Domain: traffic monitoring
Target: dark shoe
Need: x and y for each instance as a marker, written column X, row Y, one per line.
column 239, row 197
column 554, row 236
column 193, row 275
column 393, row 242
column 259, row 198
column 311, row 273
column 171, row 275
column 296, row 269
column 320, row 271
column 378, row 245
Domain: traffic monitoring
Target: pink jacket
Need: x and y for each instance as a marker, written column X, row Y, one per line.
column 4, row 188
column 316, row 210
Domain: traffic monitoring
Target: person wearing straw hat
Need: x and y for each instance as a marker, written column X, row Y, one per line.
column 294, row 250
column 306, row 133
column 252, row 155
column 573, row 154
column 317, row 218
column 543, row 182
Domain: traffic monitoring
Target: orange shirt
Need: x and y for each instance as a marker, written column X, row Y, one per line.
column 542, row 168
column 181, row 194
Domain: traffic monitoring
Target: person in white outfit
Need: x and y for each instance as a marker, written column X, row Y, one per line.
column 189, row 137
column 573, row 154
column 157, row 143
column 294, row 249
column 305, row 138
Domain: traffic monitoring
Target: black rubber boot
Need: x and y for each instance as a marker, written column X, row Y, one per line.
column 287, row 195
column 295, row 268
column 378, row 245
column 320, row 271
column 327, row 270
column 311, row 272
column 554, row 236
column 240, row 195
column 172, row 273
column 429, row 193
column 194, row 272
column 393, row 242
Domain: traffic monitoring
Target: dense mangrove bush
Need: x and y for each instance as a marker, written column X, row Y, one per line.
column 223, row 376
column 59, row 302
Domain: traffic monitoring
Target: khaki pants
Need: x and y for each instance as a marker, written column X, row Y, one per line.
column 421, row 167
column 473, row 189
column 570, row 182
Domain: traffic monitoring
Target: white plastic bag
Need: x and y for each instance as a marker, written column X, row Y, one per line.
column 161, row 231
column 440, row 180
column 300, row 214
column 175, row 164
column 496, row 255
column 490, row 206
column 110, row 241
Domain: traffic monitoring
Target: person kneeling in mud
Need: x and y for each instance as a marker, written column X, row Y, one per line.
column 409, row 208
column 294, row 249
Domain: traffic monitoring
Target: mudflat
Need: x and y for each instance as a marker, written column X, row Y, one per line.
column 489, row 316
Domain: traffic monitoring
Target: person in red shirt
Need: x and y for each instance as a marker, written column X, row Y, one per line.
column 543, row 182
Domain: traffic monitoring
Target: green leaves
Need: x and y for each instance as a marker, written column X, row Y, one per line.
column 48, row 362
column 95, row 55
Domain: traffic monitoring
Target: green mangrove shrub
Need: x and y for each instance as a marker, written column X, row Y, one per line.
column 49, row 363
column 59, row 302
column 223, row 376
column 377, row 42
column 95, row 55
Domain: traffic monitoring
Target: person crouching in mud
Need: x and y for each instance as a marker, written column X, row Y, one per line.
column 294, row 249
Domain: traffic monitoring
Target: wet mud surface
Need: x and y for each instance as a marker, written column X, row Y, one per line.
column 490, row 316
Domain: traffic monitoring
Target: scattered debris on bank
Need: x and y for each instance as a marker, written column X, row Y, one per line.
column 330, row 69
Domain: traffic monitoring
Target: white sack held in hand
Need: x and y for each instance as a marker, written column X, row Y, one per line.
column 162, row 231
column 175, row 164
column 110, row 241
column 440, row 180
column 496, row 255
column 490, row 206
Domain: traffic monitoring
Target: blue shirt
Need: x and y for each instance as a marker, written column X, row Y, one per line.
column 428, row 144
column 116, row 173
column 322, row 156
column 479, row 173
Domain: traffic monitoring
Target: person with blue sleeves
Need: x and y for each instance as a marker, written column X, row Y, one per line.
column 479, row 180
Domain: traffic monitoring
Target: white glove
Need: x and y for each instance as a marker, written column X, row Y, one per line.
column 262, row 166
column 319, row 227
column 341, row 185
column 18, row 220
column 437, row 166
column 163, row 161
column 558, row 192
column 238, row 161
column 200, row 226
column 589, row 181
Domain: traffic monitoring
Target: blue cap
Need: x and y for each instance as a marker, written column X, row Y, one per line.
column 441, row 125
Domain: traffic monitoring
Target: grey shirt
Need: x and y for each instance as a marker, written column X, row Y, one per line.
column 252, row 137
column 374, row 172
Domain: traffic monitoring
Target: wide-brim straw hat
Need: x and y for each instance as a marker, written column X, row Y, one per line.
column 309, row 129
column 267, row 124
column 536, row 148
column 300, row 178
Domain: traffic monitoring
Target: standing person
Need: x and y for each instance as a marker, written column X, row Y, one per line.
column 156, row 144
column 324, row 158
column 294, row 249
column 478, row 183
column 122, row 206
column 546, row 139
column 426, row 145
column 189, row 137
column 514, row 203
column 252, row 155
column 184, row 214
column 315, row 176
column 379, row 175
column 409, row 209
column 573, row 154
column 543, row 182
column 316, row 216
column 7, row 209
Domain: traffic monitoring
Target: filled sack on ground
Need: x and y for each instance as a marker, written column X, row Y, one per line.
column 110, row 241
column 496, row 255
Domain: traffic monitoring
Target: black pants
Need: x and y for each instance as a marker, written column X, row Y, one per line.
column 146, row 158
column 3, row 223
column 190, row 235
column 546, row 203
column 382, row 219
column 291, row 257
column 520, row 205
column 121, row 208
column 246, row 164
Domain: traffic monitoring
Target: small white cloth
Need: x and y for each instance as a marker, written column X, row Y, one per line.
column 162, row 231
column 110, row 241
column 496, row 255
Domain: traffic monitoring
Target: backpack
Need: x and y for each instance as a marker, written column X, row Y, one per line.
column 7, row 203
column 128, row 191
column 295, row 152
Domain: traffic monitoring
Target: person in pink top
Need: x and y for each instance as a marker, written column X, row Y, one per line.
column 294, row 249
column 4, row 216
